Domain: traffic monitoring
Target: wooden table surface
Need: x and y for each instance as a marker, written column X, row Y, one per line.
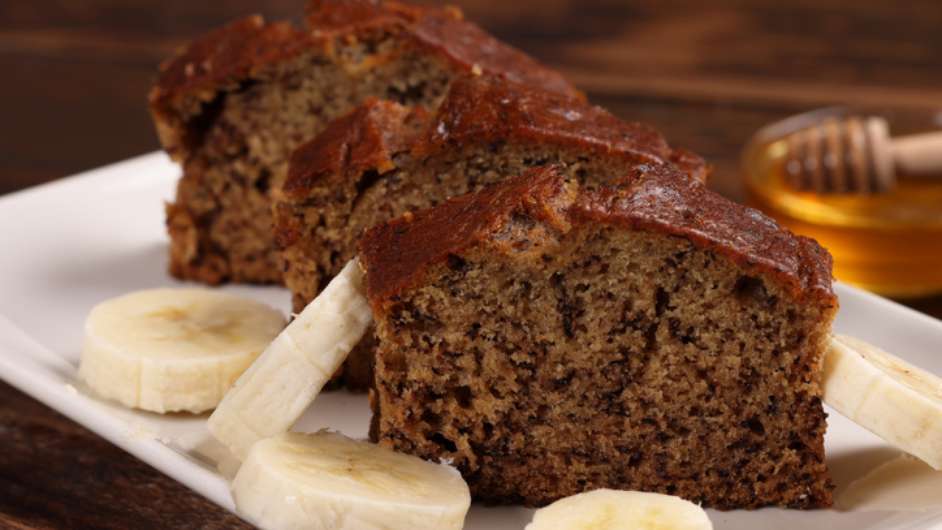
column 708, row 74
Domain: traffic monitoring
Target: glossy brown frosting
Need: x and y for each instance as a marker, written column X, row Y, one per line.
column 238, row 52
column 225, row 56
column 219, row 60
column 366, row 139
column 441, row 30
column 397, row 254
column 483, row 109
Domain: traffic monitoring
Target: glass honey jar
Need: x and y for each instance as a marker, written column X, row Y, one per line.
column 889, row 242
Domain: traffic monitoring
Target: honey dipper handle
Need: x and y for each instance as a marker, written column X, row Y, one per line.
column 918, row 155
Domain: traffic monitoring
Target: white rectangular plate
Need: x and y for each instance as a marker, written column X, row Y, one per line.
column 71, row 244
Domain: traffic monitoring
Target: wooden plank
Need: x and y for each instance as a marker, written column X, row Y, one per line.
column 57, row 474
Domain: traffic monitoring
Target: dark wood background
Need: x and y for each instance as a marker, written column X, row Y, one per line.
column 72, row 97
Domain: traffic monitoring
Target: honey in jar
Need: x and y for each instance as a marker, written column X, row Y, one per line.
column 888, row 242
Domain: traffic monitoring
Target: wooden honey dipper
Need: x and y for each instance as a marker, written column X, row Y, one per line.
column 857, row 155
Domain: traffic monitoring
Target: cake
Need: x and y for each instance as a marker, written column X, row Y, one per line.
column 232, row 106
column 385, row 159
column 549, row 338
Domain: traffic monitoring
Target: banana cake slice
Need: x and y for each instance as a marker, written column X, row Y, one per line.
column 385, row 159
column 232, row 106
column 549, row 339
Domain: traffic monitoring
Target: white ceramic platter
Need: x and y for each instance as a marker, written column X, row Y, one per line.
column 70, row 244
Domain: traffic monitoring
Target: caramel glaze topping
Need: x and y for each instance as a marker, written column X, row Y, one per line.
column 238, row 52
column 442, row 30
column 480, row 108
column 485, row 109
column 397, row 254
column 224, row 57
column 366, row 139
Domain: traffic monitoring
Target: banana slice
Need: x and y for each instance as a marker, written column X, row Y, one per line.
column 273, row 393
column 620, row 510
column 895, row 400
column 328, row 481
column 173, row 349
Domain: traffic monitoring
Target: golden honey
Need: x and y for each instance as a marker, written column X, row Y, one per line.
column 889, row 243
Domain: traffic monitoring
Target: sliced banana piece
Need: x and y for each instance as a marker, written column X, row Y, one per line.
column 328, row 481
column 606, row 509
column 273, row 393
column 168, row 350
column 895, row 400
